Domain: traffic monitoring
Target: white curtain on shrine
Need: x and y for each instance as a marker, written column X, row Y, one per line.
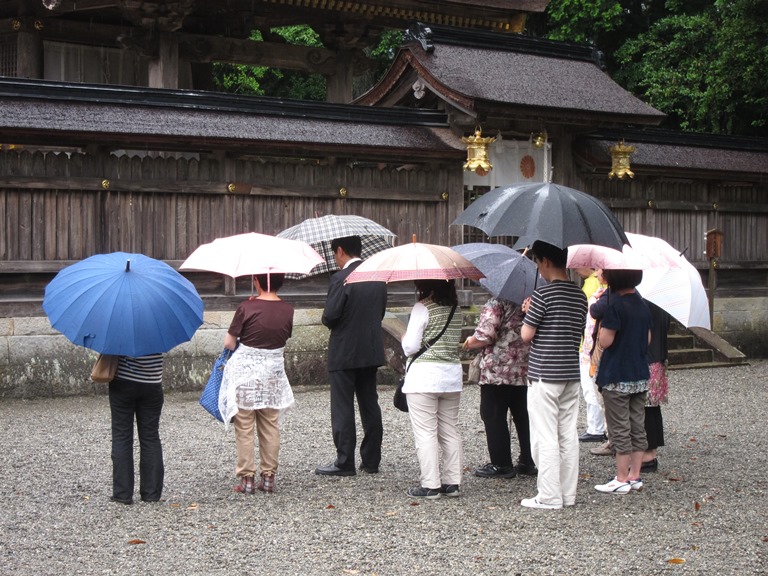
column 514, row 161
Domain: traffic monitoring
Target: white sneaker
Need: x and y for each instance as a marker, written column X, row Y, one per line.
column 614, row 487
column 636, row 484
column 534, row 503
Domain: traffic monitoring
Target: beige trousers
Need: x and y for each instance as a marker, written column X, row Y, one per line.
column 265, row 422
column 435, row 422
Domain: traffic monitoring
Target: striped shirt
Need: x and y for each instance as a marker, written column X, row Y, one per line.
column 558, row 312
column 144, row 369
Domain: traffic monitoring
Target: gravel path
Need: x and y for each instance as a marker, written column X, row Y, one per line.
column 704, row 512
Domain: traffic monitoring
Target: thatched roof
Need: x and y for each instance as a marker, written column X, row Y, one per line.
column 79, row 115
column 511, row 75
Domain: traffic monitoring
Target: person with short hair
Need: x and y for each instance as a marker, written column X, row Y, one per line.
column 553, row 324
column 503, row 387
column 354, row 312
column 136, row 394
column 255, row 392
column 625, row 332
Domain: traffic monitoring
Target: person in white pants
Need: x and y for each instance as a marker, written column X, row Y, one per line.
column 594, row 409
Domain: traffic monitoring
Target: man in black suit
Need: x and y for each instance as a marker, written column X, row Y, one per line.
column 354, row 312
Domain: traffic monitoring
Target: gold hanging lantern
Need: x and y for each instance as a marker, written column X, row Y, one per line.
column 477, row 153
column 620, row 161
column 539, row 140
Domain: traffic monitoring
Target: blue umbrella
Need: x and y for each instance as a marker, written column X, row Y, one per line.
column 508, row 274
column 125, row 304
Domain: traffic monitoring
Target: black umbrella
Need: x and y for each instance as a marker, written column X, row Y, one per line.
column 543, row 211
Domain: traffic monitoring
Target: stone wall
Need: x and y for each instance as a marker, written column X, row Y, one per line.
column 37, row 361
column 743, row 322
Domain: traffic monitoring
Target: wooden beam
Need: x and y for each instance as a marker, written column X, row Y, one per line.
column 202, row 48
column 213, row 187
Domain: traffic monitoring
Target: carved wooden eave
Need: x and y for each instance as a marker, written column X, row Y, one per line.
column 485, row 75
column 235, row 17
column 39, row 113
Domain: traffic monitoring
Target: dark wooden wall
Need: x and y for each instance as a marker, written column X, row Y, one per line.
column 58, row 208
column 681, row 211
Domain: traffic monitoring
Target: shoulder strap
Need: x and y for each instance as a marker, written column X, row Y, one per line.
column 432, row 341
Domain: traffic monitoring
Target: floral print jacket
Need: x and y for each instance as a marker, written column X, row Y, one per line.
column 505, row 359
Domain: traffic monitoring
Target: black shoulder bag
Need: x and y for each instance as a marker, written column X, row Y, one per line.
column 399, row 400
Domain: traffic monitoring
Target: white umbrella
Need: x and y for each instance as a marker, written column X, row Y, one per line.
column 678, row 290
column 252, row 253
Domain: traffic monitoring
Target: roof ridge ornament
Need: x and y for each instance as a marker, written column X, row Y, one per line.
column 421, row 33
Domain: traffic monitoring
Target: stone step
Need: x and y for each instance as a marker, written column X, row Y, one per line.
column 700, row 365
column 690, row 356
column 680, row 341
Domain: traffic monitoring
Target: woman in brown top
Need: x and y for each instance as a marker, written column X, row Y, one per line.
column 255, row 391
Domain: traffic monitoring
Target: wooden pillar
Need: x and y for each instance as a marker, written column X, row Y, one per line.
column 164, row 72
column 29, row 54
column 339, row 85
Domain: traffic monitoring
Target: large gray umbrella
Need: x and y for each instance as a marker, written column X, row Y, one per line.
column 508, row 274
column 544, row 211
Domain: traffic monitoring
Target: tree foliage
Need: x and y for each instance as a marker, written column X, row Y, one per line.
column 264, row 81
column 702, row 62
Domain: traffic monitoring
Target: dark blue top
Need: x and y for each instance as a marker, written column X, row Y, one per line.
column 626, row 360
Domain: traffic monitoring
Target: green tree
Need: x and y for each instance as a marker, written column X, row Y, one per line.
column 705, row 69
column 701, row 62
column 264, row 81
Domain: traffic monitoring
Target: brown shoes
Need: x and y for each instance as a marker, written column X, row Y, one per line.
column 605, row 449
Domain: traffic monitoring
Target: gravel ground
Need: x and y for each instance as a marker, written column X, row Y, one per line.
column 704, row 512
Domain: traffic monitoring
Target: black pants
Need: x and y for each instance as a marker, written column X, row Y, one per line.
column 495, row 401
column 654, row 427
column 144, row 402
column 345, row 385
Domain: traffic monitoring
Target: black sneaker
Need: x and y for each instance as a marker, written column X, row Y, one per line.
column 450, row 490
column 490, row 470
column 526, row 469
column 421, row 492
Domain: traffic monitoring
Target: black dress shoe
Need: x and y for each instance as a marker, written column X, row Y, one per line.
column 126, row 501
column 333, row 470
column 369, row 469
column 587, row 437
column 650, row 466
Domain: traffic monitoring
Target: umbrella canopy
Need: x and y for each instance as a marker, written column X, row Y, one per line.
column 252, row 253
column 415, row 261
column 508, row 274
column 676, row 289
column 603, row 258
column 319, row 232
column 125, row 304
column 555, row 214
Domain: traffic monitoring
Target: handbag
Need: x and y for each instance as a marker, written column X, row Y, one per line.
column 399, row 400
column 473, row 372
column 595, row 355
column 209, row 399
column 105, row 368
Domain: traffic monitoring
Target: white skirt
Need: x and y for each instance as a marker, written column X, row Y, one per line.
column 254, row 378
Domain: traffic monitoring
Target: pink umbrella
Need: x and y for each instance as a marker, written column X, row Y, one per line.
column 415, row 261
column 603, row 258
column 252, row 253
